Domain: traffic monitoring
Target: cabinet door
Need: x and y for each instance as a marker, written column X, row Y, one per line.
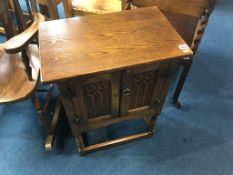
column 92, row 99
column 144, row 88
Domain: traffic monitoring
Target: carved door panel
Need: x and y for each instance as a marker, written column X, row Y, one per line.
column 145, row 87
column 94, row 98
column 98, row 101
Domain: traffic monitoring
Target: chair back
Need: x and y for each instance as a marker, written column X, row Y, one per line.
column 87, row 7
column 49, row 8
column 14, row 20
column 68, row 9
column 7, row 27
column 189, row 17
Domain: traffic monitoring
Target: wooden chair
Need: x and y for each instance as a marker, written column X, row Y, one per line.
column 20, row 66
column 87, row 7
column 78, row 7
column 189, row 18
column 10, row 11
column 95, row 6
column 49, row 8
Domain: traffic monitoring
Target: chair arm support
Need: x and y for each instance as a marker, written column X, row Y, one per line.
column 20, row 41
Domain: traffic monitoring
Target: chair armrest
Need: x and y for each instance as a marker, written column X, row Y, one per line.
column 20, row 41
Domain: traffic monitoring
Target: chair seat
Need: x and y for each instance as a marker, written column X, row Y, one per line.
column 97, row 6
column 14, row 83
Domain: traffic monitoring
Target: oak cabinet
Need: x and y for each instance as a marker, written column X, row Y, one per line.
column 111, row 68
column 96, row 101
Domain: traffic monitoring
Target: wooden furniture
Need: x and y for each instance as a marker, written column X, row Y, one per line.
column 9, row 8
column 87, row 7
column 20, row 66
column 49, row 8
column 119, row 71
column 78, row 7
column 190, row 18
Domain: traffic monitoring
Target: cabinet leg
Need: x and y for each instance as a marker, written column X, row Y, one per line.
column 85, row 150
column 147, row 123
column 81, row 145
column 181, row 81
column 152, row 123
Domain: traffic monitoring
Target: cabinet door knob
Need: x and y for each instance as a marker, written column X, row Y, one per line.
column 126, row 91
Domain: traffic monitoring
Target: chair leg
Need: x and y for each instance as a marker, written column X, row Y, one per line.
column 54, row 125
column 42, row 116
column 181, row 81
column 50, row 127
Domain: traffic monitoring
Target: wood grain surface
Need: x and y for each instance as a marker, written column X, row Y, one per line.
column 100, row 43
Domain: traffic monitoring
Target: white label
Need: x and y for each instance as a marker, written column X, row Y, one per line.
column 184, row 47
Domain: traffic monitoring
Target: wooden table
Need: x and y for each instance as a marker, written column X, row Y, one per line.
column 111, row 68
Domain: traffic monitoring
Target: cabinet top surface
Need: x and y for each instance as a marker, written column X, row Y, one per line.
column 102, row 43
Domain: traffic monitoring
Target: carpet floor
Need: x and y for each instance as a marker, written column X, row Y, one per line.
column 197, row 139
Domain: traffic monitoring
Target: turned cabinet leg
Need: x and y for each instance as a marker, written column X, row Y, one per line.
column 181, row 81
